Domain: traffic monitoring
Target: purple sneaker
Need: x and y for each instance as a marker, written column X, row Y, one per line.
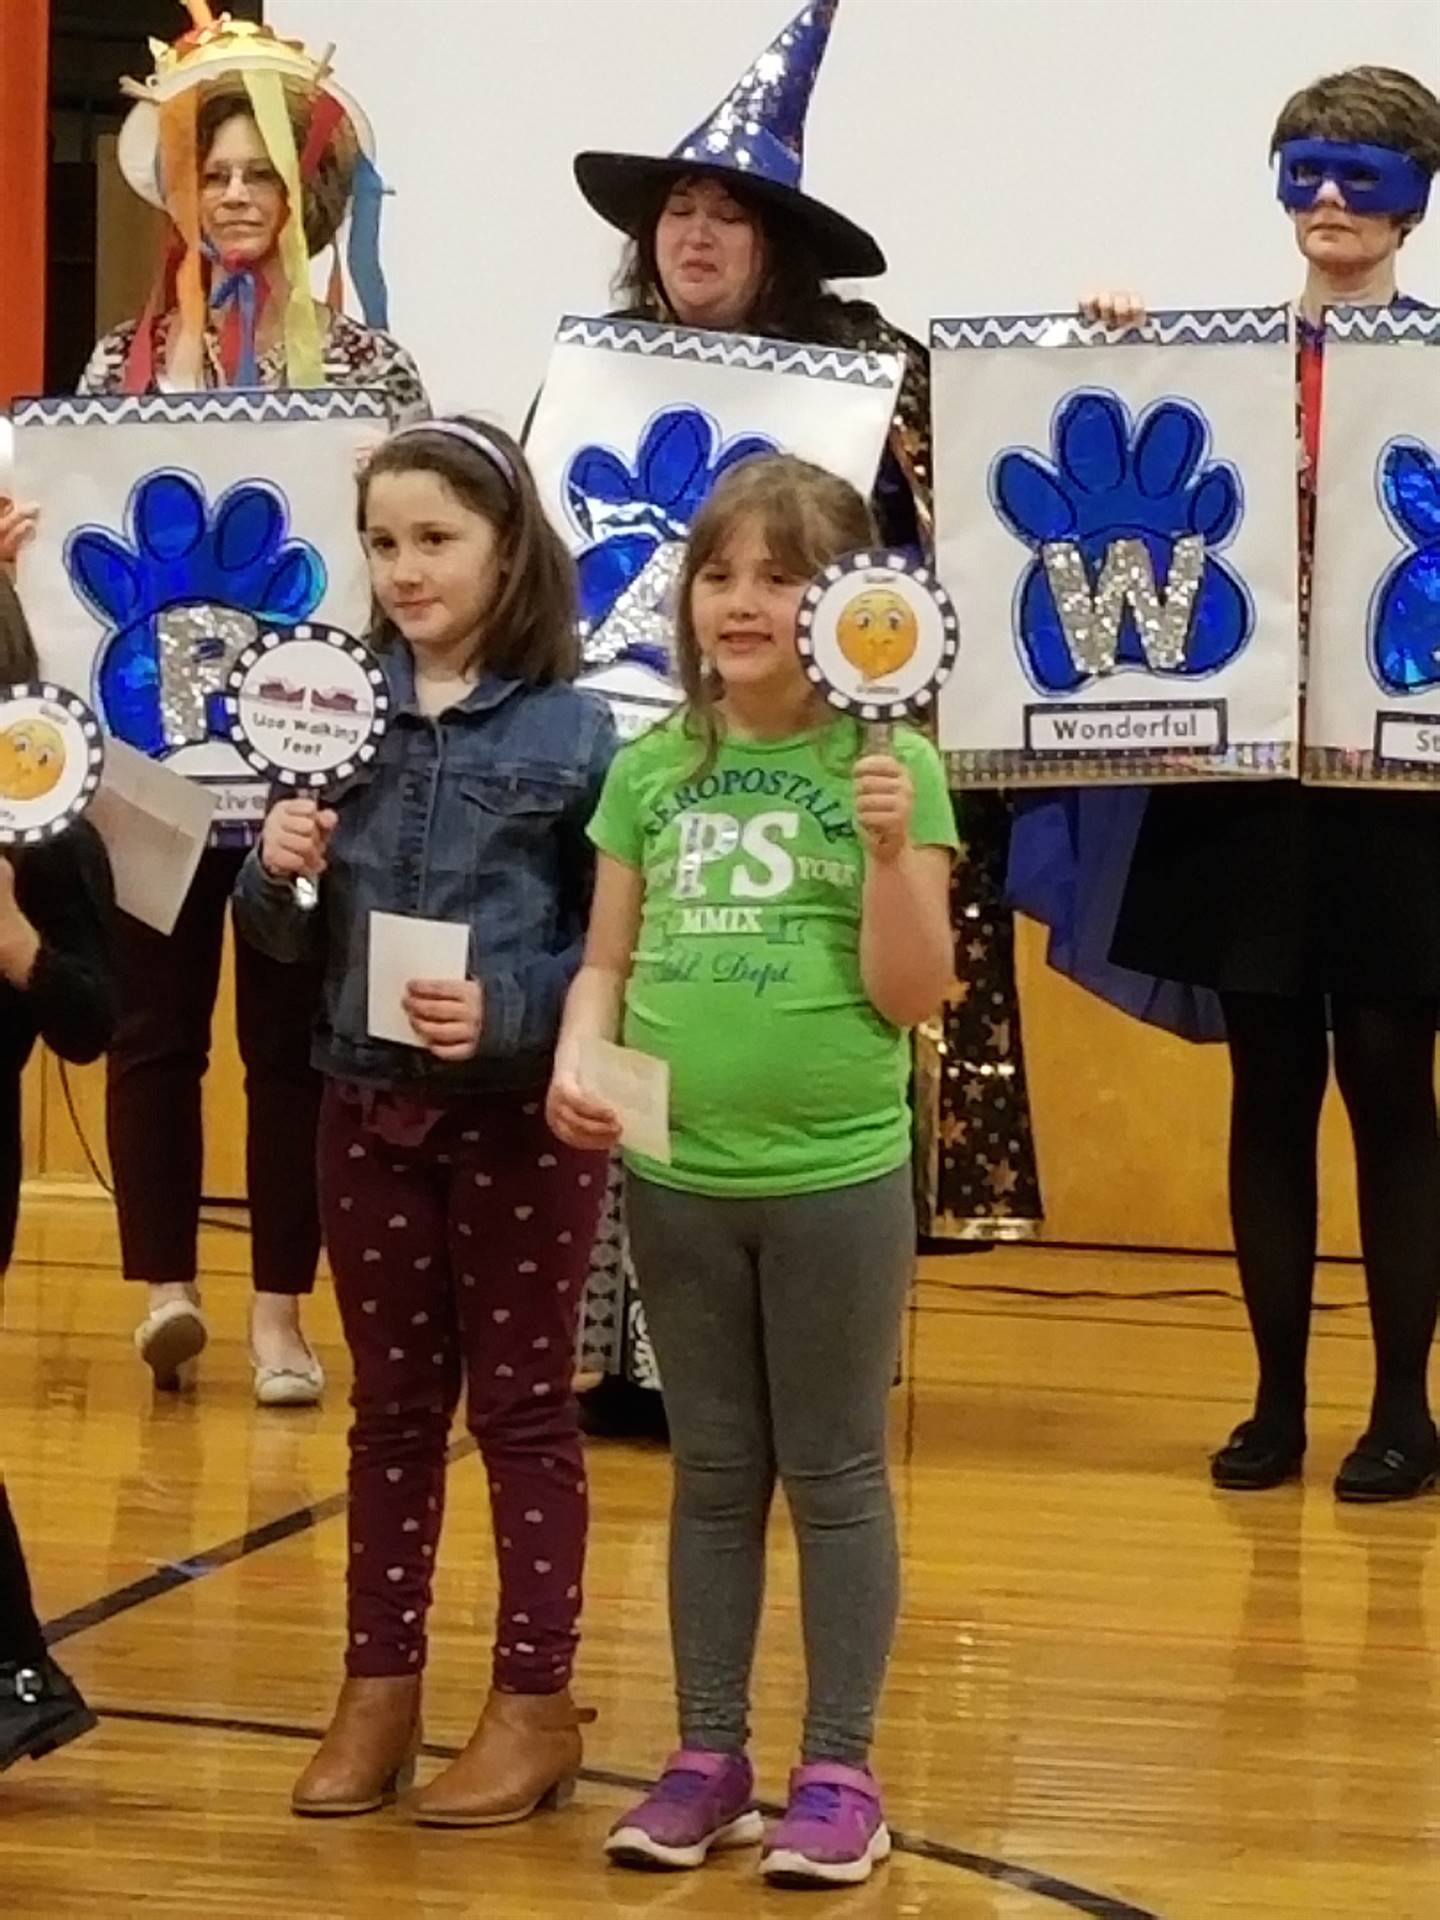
column 833, row 1832
column 700, row 1801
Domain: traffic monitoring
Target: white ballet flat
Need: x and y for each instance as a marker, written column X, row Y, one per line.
column 169, row 1337
column 289, row 1386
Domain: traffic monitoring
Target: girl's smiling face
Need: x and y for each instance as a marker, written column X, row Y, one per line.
column 435, row 563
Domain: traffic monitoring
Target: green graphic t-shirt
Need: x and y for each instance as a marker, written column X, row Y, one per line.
column 784, row 1078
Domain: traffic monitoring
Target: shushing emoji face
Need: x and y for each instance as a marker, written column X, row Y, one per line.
column 878, row 632
column 32, row 759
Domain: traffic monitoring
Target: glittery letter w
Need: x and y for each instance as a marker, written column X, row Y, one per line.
column 1091, row 621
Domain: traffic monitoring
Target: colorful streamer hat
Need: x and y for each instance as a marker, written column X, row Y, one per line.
column 754, row 139
column 216, row 50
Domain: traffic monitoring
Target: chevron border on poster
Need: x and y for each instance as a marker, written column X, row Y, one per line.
column 1383, row 326
column 730, row 350
column 199, row 409
column 1188, row 327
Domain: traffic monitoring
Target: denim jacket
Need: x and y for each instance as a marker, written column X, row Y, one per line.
column 478, row 814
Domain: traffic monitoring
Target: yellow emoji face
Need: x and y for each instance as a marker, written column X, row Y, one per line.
column 878, row 632
column 32, row 759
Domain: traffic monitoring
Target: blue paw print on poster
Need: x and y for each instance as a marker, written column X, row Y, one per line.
column 187, row 587
column 1405, row 613
column 628, row 514
column 1125, row 520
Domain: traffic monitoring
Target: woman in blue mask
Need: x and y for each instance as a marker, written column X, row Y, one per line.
column 1294, row 912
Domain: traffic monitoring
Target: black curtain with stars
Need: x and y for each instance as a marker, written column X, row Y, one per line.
column 976, row 1174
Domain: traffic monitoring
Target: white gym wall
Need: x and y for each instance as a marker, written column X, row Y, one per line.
column 1006, row 153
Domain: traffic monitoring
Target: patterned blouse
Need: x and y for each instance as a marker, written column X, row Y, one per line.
column 354, row 356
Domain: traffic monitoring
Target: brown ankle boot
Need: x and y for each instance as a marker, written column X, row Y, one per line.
column 368, row 1754
column 524, row 1755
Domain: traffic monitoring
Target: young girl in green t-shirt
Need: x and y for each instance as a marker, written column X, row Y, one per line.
column 770, row 917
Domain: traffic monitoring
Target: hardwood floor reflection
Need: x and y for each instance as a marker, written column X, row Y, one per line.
column 1114, row 1691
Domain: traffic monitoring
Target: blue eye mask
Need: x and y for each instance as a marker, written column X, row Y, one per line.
column 1370, row 179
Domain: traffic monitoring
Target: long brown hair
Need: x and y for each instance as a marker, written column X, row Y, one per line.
column 530, row 632
column 18, row 661
column 808, row 516
column 792, row 301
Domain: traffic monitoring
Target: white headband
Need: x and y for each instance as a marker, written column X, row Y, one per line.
column 472, row 437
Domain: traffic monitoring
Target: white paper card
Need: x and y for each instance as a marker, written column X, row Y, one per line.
column 405, row 948
column 637, row 1086
column 155, row 824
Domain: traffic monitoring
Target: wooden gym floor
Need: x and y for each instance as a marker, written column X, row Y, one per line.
column 1115, row 1692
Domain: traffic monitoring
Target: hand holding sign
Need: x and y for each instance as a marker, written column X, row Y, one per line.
column 884, row 802
column 306, row 706
column 294, row 840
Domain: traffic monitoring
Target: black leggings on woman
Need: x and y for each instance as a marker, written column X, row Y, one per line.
column 1384, row 1065
column 21, row 1641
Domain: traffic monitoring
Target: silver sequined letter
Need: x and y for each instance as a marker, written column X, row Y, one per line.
column 198, row 645
column 1092, row 620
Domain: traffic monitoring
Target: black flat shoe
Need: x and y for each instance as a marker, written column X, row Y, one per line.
column 1258, row 1456
column 41, row 1708
column 1376, row 1471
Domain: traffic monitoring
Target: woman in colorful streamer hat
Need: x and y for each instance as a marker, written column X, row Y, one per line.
column 249, row 144
column 255, row 152
column 723, row 235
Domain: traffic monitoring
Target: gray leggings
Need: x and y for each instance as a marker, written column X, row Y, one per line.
column 776, row 1323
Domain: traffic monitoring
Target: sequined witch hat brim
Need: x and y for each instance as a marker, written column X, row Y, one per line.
column 755, row 140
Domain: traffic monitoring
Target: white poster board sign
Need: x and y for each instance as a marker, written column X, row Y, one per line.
column 1116, row 523
column 173, row 529
column 1372, row 710
column 635, row 425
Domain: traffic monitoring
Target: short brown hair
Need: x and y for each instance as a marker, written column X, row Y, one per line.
column 809, row 518
column 18, row 661
column 1377, row 106
column 530, row 632
column 327, row 191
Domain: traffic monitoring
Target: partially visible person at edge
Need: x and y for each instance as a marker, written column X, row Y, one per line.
column 56, row 907
column 240, row 266
column 1300, row 907
column 722, row 236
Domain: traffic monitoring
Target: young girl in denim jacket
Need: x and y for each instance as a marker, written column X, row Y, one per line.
column 770, row 916
column 458, row 1227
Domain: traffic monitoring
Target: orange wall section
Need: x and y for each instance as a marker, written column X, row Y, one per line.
column 24, row 154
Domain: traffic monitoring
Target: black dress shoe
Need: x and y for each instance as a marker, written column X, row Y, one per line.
column 41, row 1708
column 1376, row 1470
column 1257, row 1456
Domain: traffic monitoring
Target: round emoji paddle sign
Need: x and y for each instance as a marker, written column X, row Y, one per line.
column 878, row 635
column 307, row 706
column 52, row 753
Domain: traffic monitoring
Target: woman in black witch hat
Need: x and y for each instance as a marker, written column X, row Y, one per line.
column 723, row 236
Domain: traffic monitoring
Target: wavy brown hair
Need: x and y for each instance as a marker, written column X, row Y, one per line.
column 792, row 299
column 809, row 518
column 530, row 632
